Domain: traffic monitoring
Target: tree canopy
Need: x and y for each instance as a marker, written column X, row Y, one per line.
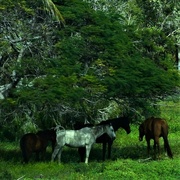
column 63, row 61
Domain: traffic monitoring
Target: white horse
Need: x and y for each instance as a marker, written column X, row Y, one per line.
column 84, row 137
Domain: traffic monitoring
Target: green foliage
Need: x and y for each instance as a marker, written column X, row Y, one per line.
column 104, row 53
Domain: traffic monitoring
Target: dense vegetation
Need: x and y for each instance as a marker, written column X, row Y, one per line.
column 63, row 61
column 74, row 60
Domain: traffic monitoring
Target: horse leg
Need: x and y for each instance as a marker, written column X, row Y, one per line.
column 88, row 149
column 156, row 142
column 26, row 152
column 104, row 150
column 109, row 149
column 43, row 153
column 82, row 152
column 55, row 152
column 154, row 147
column 59, row 155
column 37, row 156
column 148, row 145
column 27, row 156
column 53, row 145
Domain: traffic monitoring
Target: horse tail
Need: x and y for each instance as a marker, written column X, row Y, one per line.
column 59, row 127
column 167, row 146
column 166, row 142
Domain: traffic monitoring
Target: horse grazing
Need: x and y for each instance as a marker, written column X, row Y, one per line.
column 84, row 137
column 36, row 143
column 121, row 122
column 154, row 128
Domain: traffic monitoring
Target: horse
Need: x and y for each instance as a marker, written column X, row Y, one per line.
column 84, row 137
column 36, row 143
column 120, row 122
column 154, row 128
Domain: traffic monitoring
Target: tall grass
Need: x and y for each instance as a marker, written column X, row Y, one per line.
column 127, row 162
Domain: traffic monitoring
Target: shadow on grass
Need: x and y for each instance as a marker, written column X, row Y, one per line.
column 10, row 155
column 70, row 155
column 129, row 152
column 15, row 156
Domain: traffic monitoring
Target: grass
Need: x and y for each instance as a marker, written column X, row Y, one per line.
column 126, row 162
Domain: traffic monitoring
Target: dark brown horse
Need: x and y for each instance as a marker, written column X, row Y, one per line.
column 154, row 128
column 122, row 122
column 36, row 143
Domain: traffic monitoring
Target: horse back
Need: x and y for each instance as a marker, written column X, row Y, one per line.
column 122, row 122
column 31, row 143
column 46, row 136
column 162, row 126
column 155, row 127
column 28, row 140
column 77, row 138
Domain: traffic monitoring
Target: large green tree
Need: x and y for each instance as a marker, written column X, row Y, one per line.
column 97, row 65
column 129, row 63
column 27, row 38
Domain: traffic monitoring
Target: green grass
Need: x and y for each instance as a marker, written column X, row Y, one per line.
column 126, row 162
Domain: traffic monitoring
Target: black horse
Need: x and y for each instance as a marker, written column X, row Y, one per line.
column 121, row 122
column 36, row 143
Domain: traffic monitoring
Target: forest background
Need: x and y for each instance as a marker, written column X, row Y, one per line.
column 64, row 61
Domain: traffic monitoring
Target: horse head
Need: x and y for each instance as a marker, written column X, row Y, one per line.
column 127, row 129
column 110, row 131
column 125, row 124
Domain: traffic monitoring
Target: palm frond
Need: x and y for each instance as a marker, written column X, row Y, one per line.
column 53, row 10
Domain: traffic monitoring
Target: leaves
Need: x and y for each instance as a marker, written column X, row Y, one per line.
column 103, row 53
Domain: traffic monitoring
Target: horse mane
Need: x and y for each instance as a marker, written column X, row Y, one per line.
column 79, row 125
column 117, row 122
column 46, row 133
column 97, row 128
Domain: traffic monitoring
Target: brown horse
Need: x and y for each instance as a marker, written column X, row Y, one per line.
column 154, row 128
column 37, row 143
